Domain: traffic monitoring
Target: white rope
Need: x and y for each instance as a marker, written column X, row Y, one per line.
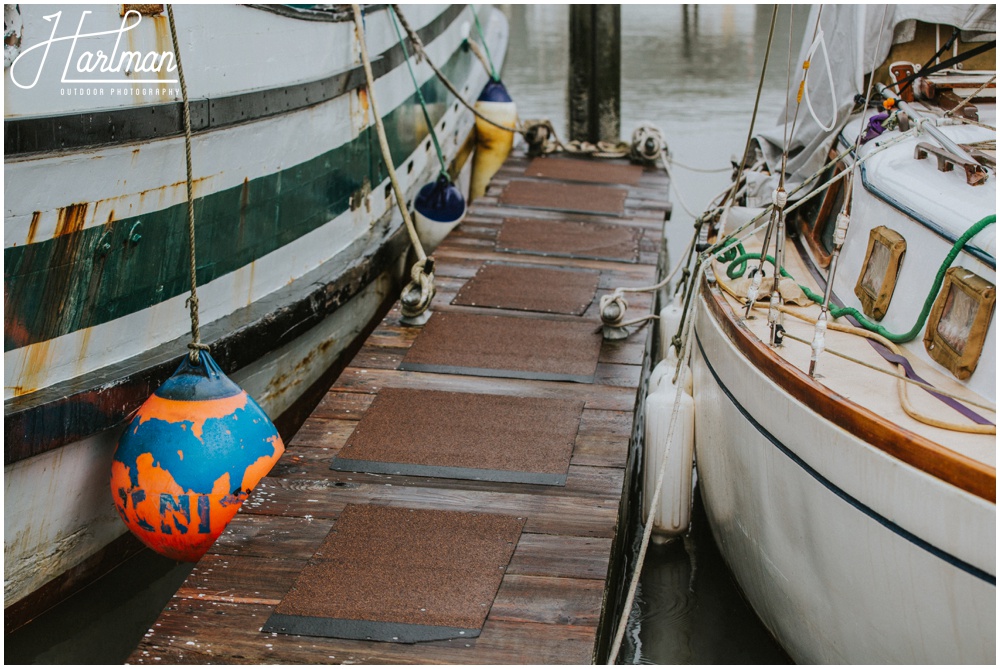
column 703, row 170
column 677, row 191
column 422, row 282
column 821, row 42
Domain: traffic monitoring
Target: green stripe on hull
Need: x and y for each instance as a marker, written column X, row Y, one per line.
column 64, row 284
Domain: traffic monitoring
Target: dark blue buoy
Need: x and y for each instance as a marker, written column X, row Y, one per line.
column 438, row 207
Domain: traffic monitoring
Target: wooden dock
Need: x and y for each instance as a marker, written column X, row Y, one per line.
column 561, row 593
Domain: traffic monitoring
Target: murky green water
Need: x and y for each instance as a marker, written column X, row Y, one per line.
column 696, row 80
column 693, row 72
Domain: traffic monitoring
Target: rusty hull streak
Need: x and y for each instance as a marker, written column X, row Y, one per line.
column 33, row 226
column 283, row 383
column 145, row 10
column 71, row 219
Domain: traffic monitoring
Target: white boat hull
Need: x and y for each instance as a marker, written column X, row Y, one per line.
column 847, row 554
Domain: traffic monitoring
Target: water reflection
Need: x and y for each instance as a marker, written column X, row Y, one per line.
column 692, row 70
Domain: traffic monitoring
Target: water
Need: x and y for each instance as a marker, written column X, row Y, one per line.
column 693, row 73
column 696, row 80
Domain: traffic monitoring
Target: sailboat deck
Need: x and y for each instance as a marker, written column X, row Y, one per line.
column 561, row 591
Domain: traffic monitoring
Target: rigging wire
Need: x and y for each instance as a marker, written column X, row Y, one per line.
column 420, row 94
column 486, row 47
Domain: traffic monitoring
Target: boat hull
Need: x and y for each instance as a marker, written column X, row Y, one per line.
column 847, row 554
column 280, row 320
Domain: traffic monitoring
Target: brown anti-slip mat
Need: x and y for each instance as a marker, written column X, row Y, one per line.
column 594, row 171
column 506, row 346
column 530, row 288
column 411, row 432
column 574, row 198
column 402, row 575
column 569, row 239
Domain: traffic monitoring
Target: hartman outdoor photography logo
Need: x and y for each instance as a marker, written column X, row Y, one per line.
column 88, row 61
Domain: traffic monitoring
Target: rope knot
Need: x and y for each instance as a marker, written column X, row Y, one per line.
column 647, row 144
column 613, row 308
column 419, row 292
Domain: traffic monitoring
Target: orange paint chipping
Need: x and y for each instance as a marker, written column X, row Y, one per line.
column 196, row 413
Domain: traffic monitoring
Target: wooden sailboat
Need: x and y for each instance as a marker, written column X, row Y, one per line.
column 856, row 508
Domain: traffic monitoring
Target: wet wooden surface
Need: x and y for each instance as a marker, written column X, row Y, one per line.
column 554, row 603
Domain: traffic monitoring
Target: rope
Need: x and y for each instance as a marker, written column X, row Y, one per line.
column 756, row 105
column 420, row 94
column 967, row 100
column 820, row 42
column 647, row 532
column 479, row 28
column 424, row 265
column 703, row 170
column 192, row 302
column 860, row 332
column 418, row 47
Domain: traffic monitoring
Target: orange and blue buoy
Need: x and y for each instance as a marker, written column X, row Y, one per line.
column 189, row 458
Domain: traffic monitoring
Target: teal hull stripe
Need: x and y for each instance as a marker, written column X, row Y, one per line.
column 62, row 285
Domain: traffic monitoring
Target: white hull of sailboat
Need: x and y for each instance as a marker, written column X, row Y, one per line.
column 847, row 554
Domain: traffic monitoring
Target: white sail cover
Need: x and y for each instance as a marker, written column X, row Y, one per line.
column 857, row 39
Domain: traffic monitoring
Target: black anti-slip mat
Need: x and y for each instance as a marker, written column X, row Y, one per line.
column 413, row 432
column 506, row 346
column 402, row 575
column 530, row 288
column 569, row 239
column 575, row 198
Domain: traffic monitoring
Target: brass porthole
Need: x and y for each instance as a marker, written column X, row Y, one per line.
column 877, row 280
column 959, row 320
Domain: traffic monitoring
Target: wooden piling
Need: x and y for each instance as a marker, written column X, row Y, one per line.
column 595, row 73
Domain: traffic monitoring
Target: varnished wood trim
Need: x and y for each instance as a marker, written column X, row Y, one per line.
column 945, row 464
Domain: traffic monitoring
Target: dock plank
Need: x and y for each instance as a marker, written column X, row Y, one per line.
column 558, row 597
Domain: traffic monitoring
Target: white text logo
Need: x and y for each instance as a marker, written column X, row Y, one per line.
column 96, row 65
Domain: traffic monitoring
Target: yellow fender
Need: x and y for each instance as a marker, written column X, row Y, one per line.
column 493, row 145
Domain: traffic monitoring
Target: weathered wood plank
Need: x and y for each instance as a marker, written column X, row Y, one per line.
column 596, row 397
column 545, row 514
column 193, row 632
column 558, row 601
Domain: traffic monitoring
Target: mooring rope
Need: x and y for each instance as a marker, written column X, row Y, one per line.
column 419, row 48
column 422, row 272
column 192, row 301
column 968, row 99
